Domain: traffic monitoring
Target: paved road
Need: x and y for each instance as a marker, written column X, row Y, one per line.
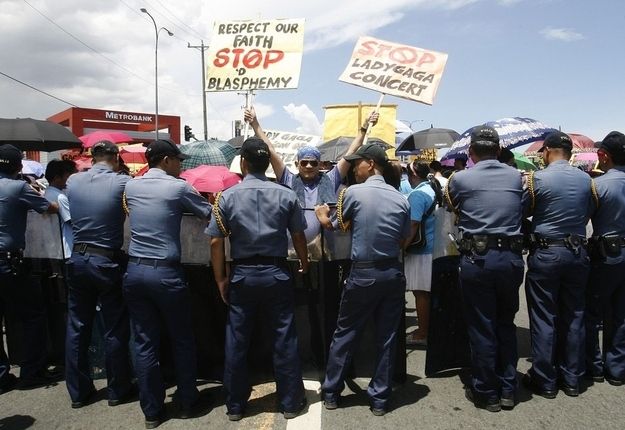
column 425, row 403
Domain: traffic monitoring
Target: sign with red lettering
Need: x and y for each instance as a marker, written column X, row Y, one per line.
column 255, row 55
column 394, row 69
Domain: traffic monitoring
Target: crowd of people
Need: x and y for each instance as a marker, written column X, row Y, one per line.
column 574, row 285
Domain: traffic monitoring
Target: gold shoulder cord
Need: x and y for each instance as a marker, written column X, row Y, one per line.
column 125, row 204
column 343, row 225
column 448, row 196
column 217, row 215
column 530, row 188
column 595, row 194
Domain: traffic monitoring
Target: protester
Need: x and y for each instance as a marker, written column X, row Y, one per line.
column 437, row 169
column 507, row 157
column 20, row 293
column 460, row 163
column 95, row 272
column 487, row 199
column 57, row 174
column 154, row 284
column 256, row 215
column 560, row 203
column 380, row 223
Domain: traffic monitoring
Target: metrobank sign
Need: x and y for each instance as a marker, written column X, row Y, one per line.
column 128, row 117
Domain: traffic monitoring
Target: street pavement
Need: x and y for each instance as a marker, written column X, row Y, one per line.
column 425, row 403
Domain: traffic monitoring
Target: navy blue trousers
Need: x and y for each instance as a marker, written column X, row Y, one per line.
column 490, row 291
column 96, row 280
column 606, row 299
column 369, row 292
column 555, row 288
column 21, row 296
column 155, row 296
column 268, row 288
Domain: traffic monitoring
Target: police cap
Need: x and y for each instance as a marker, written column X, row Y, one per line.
column 557, row 139
column 371, row 151
column 164, row 148
column 254, row 149
column 10, row 156
column 484, row 133
column 104, row 147
column 614, row 144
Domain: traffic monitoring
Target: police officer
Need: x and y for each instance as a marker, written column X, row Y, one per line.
column 488, row 201
column 256, row 215
column 560, row 200
column 18, row 293
column 95, row 272
column 380, row 224
column 606, row 286
column 154, row 285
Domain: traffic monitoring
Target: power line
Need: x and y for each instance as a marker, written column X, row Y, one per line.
column 37, row 89
column 181, row 21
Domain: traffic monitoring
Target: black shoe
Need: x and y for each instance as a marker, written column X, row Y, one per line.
column 378, row 412
column 614, row 381
column 594, row 377
column 87, row 400
column 489, row 405
column 569, row 390
column 507, row 401
column 155, row 421
column 534, row 387
column 300, row 409
column 235, row 416
column 131, row 394
column 331, row 404
column 39, row 379
column 10, row 383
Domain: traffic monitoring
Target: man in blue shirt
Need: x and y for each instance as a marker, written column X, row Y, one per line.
column 19, row 293
column 256, row 215
column 606, row 286
column 95, row 272
column 380, row 223
column 154, row 285
column 57, row 174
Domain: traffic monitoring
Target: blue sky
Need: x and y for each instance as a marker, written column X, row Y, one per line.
column 558, row 61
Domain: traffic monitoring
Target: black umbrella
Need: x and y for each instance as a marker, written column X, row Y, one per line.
column 429, row 138
column 30, row 134
column 236, row 142
column 334, row 149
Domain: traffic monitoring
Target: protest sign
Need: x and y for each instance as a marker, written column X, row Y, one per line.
column 255, row 55
column 287, row 144
column 395, row 69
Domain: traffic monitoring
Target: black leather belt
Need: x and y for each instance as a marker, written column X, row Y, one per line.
column 154, row 262
column 375, row 264
column 7, row 255
column 85, row 248
column 480, row 243
column 260, row 261
column 567, row 242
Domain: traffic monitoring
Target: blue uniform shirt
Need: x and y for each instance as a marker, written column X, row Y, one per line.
column 420, row 200
column 609, row 218
column 156, row 202
column 563, row 201
column 380, row 217
column 258, row 213
column 489, row 198
column 16, row 198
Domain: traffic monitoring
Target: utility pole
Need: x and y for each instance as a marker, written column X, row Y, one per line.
column 202, row 48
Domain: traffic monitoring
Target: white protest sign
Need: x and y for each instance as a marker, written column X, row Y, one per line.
column 255, row 55
column 399, row 70
column 287, row 144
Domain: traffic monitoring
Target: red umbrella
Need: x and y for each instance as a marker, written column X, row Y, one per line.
column 83, row 163
column 133, row 153
column 88, row 140
column 580, row 142
column 210, row 179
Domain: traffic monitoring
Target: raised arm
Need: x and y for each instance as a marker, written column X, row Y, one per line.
column 276, row 161
column 343, row 165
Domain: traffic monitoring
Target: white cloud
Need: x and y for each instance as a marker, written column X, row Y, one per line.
column 309, row 123
column 508, row 2
column 561, row 34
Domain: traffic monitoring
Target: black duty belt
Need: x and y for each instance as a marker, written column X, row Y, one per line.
column 375, row 264
column 85, row 248
column 7, row 255
column 260, row 261
column 480, row 243
column 154, row 262
column 570, row 241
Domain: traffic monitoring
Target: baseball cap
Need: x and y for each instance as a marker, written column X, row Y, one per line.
column 254, row 149
column 104, row 147
column 557, row 139
column 614, row 143
column 484, row 133
column 165, row 148
column 371, row 151
column 10, row 155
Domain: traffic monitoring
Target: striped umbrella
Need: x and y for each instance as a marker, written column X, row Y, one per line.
column 210, row 153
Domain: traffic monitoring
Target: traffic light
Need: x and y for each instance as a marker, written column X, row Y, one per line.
column 187, row 133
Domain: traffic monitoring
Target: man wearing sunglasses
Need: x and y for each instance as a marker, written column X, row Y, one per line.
column 312, row 186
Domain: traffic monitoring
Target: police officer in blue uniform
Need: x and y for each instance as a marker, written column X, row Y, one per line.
column 380, row 225
column 256, row 215
column 18, row 293
column 606, row 285
column 95, row 272
column 488, row 201
column 560, row 201
column 154, row 285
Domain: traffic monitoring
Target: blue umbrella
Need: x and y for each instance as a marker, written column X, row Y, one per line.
column 513, row 133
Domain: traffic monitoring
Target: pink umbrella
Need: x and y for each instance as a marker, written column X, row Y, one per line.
column 586, row 156
column 133, row 153
column 210, row 179
column 88, row 140
column 579, row 142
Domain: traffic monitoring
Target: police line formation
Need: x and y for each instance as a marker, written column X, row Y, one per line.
column 571, row 281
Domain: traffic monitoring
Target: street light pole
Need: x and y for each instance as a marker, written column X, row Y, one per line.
column 157, row 30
